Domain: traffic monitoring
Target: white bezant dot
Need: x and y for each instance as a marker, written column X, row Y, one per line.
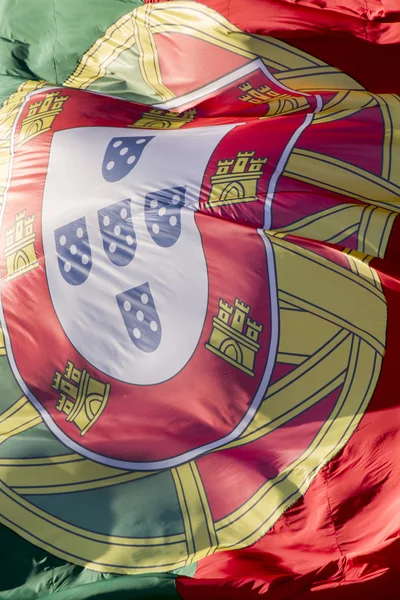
column 85, row 259
column 117, row 144
column 144, row 298
column 129, row 240
column 124, row 151
column 131, row 160
column 155, row 228
column 117, row 230
column 67, row 267
column 162, row 211
column 79, row 232
column 173, row 221
column 139, row 315
column 153, row 203
column 106, row 221
column 153, row 326
column 123, row 213
column 73, row 249
column 110, row 165
column 176, row 198
column 141, row 141
column 127, row 306
column 112, row 247
column 63, row 240
column 136, row 333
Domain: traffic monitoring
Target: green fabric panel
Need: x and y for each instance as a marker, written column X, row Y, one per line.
column 37, row 442
column 140, row 587
column 29, row 573
column 8, row 85
column 133, row 509
column 45, row 39
column 10, row 390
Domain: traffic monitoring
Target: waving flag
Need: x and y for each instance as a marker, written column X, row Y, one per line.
column 199, row 315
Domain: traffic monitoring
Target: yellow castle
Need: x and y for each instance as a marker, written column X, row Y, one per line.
column 236, row 180
column 156, row 118
column 278, row 103
column 82, row 397
column 259, row 95
column 20, row 246
column 41, row 116
column 234, row 336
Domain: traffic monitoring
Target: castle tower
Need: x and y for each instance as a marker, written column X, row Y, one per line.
column 20, row 250
column 225, row 311
column 236, row 180
column 279, row 102
column 156, row 118
column 82, row 397
column 234, row 336
column 41, row 116
column 260, row 95
column 239, row 316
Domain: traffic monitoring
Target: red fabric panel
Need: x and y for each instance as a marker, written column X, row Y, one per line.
column 345, row 531
column 341, row 541
column 360, row 37
column 385, row 586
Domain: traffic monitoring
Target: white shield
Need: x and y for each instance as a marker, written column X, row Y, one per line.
column 176, row 275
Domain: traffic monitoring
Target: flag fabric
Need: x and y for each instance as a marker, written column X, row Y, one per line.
column 199, row 310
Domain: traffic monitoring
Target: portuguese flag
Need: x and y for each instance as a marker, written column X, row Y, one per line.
column 199, row 299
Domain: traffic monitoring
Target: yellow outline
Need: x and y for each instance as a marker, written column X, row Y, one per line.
column 392, row 133
column 359, row 264
column 387, row 144
column 344, row 104
column 199, row 526
column 290, row 358
column 302, row 323
column 374, row 230
column 72, row 474
column 22, row 415
column 2, row 342
column 317, row 264
column 305, row 165
column 324, row 225
column 148, row 56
